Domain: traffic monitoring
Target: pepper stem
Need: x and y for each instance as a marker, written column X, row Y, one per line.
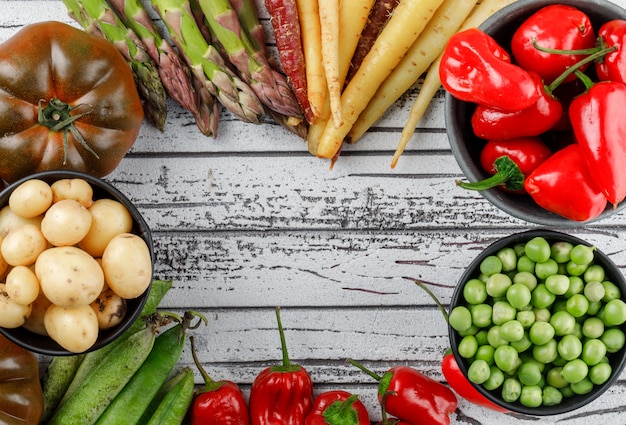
column 286, row 365
column 342, row 412
column 597, row 55
column 507, row 174
column 435, row 299
column 364, row 369
column 209, row 383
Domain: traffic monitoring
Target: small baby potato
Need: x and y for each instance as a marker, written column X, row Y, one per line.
column 12, row 314
column 31, row 198
column 22, row 245
column 68, row 276
column 127, row 265
column 65, row 223
column 22, row 285
column 34, row 322
column 4, row 266
column 73, row 328
column 9, row 220
column 77, row 189
column 110, row 308
column 109, row 219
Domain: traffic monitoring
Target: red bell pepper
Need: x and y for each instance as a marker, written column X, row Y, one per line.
column 337, row 408
column 509, row 162
column 541, row 116
column 412, row 396
column 563, row 184
column 613, row 66
column 281, row 394
column 474, row 68
column 560, row 27
column 598, row 119
column 218, row 402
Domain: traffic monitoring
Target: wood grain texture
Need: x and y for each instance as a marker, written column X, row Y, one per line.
column 249, row 221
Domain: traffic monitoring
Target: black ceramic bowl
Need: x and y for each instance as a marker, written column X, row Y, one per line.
column 101, row 189
column 617, row 359
column 466, row 146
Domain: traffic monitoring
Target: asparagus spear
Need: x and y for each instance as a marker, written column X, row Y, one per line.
column 206, row 62
column 175, row 75
column 271, row 86
column 96, row 17
column 249, row 18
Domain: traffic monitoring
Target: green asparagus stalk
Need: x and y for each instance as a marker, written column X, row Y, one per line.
column 96, row 17
column 206, row 62
column 175, row 75
column 249, row 18
column 271, row 86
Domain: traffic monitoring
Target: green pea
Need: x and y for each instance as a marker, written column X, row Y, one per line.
column 593, row 351
column 584, row 386
column 593, row 327
column 551, row 396
column 575, row 371
column 614, row 339
column 563, row 323
column 526, row 318
column 594, row 308
column 594, row 273
column 542, row 314
column 485, row 352
column 574, row 269
column 460, row 318
column 527, row 279
column 525, row 264
column 529, row 374
column 494, row 337
column 519, row 249
column 495, row 380
column 472, row 330
column 522, row 344
column 611, row 291
column 531, row 396
column 545, row 353
column 594, row 291
column 467, row 346
column 541, row 297
column 478, row 371
column 538, row 249
column 511, row 390
column 546, row 268
column 502, row 312
column 475, row 291
column 560, row 251
column 569, row 347
column 540, row 333
column 512, row 331
column 497, row 285
column 576, row 286
column 508, row 259
column 481, row 315
column 577, row 305
column 555, row 378
column 518, row 295
column 567, row 391
column 490, row 265
column 582, row 254
column 600, row 373
column 615, row 312
column 481, row 337
column 558, row 284
column 506, row 358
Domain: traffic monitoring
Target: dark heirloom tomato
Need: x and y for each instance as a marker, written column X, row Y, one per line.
column 21, row 400
column 58, row 85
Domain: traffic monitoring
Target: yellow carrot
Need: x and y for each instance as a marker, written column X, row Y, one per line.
column 432, row 83
column 308, row 15
column 406, row 24
column 428, row 46
column 329, row 23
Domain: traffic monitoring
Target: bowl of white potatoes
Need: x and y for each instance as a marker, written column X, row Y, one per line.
column 76, row 262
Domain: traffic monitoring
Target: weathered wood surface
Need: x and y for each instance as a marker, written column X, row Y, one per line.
column 250, row 220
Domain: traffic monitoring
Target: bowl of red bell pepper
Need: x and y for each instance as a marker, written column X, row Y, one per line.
column 537, row 322
column 534, row 109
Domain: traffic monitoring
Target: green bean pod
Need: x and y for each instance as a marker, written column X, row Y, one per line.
column 56, row 380
column 174, row 406
column 103, row 384
column 158, row 398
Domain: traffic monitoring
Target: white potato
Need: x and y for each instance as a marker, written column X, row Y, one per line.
column 4, row 266
column 73, row 328
column 65, row 223
column 109, row 218
column 22, row 285
column 127, row 265
column 110, row 308
column 68, row 276
column 77, row 189
column 22, row 245
column 31, row 198
column 12, row 314
column 34, row 322
column 9, row 220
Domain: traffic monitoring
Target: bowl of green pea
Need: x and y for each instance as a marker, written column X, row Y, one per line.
column 537, row 322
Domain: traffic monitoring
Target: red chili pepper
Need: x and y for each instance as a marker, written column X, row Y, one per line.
column 555, row 26
column 474, row 68
column 386, row 420
column 563, row 184
column 541, row 116
column 413, row 397
column 337, row 408
column 613, row 66
column 282, row 394
column 219, row 402
column 509, row 162
column 598, row 119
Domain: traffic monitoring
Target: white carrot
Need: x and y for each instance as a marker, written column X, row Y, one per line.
column 406, row 24
column 432, row 83
column 329, row 23
column 428, row 46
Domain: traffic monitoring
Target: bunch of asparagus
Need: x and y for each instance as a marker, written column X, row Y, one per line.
column 213, row 53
